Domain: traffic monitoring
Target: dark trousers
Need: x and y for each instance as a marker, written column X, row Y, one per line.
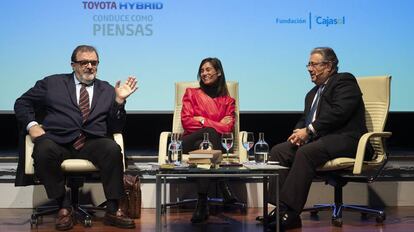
column 192, row 142
column 295, row 183
column 104, row 153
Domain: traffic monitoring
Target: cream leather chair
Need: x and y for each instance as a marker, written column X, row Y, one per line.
column 338, row 172
column 75, row 170
column 239, row 153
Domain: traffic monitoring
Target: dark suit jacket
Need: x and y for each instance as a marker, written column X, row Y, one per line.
column 54, row 97
column 340, row 117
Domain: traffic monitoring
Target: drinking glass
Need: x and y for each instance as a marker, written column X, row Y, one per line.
column 227, row 142
column 248, row 141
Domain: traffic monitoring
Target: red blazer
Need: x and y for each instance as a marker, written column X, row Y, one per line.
column 197, row 103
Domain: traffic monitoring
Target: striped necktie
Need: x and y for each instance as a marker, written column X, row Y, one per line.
column 312, row 111
column 84, row 108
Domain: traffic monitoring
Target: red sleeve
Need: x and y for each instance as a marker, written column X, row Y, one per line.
column 229, row 111
column 187, row 113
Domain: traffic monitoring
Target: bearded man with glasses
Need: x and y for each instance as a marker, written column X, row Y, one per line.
column 80, row 113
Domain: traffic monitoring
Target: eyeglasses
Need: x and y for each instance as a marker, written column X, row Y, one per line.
column 313, row 65
column 85, row 63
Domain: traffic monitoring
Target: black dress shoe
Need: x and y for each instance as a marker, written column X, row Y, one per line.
column 287, row 220
column 119, row 219
column 271, row 217
column 201, row 212
column 290, row 220
column 228, row 196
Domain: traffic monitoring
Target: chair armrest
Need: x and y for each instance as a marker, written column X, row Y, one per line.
column 28, row 166
column 119, row 139
column 359, row 158
column 243, row 156
column 162, row 148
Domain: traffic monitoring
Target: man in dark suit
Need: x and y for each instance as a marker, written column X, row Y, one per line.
column 332, row 123
column 80, row 112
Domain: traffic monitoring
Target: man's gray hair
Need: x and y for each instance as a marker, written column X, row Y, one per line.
column 328, row 55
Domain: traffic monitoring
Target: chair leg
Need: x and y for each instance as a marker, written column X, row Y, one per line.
column 177, row 204
column 212, row 201
column 379, row 214
column 338, row 207
column 319, row 207
column 242, row 207
column 82, row 213
column 83, row 216
column 220, row 202
column 38, row 213
column 363, row 209
column 215, row 201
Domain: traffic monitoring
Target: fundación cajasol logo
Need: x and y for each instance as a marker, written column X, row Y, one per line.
column 312, row 20
column 113, row 18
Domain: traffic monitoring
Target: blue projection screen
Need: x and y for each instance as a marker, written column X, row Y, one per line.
column 264, row 45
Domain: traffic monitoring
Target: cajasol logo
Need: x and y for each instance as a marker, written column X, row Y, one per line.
column 311, row 21
column 326, row 21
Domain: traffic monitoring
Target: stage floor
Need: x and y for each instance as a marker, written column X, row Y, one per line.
column 399, row 219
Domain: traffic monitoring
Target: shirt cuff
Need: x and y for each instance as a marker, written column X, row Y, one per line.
column 32, row 123
column 312, row 129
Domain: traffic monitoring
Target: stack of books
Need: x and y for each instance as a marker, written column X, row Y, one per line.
column 205, row 157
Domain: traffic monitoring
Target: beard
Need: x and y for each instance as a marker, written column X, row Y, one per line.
column 87, row 78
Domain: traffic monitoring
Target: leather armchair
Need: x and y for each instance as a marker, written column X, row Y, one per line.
column 75, row 170
column 338, row 172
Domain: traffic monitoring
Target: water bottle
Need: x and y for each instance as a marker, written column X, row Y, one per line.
column 206, row 144
column 178, row 152
column 261, row 150
column 175, row 149
column 172, row 147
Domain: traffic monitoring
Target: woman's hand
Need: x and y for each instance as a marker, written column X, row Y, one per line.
column 226, row 120
column 199, row 119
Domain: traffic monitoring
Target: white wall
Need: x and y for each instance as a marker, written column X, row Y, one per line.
column 390, row 193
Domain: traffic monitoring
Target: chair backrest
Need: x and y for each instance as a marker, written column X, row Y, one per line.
column 376, row 95
column 180, row 88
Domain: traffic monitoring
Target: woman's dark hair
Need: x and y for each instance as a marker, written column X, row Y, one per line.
column 221, row 80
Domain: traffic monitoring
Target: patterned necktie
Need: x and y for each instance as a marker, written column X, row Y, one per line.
column 84, row 108
column 309, row 117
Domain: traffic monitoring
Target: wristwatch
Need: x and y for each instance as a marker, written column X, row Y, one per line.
column 202, row 121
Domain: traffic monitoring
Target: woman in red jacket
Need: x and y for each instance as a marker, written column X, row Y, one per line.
column 207, row 109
